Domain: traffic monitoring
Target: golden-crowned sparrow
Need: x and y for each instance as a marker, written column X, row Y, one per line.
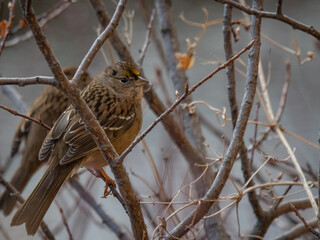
column 48, row 107
column 114, row 96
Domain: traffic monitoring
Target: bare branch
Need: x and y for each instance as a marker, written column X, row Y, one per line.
column 284, row 94
column 29, row 81
column 64, row 220
column 283, row 18
column 307, row 226
column 26, row 117
column 145, row 14
column 147, row 40
column 245, row 164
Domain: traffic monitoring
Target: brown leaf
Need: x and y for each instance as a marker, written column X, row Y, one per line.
column 22, row 23
column 186, row 60
column 3, row 27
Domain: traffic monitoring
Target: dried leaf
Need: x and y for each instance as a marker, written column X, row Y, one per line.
column 186, row 60
column 3, row 27
column 22, row 23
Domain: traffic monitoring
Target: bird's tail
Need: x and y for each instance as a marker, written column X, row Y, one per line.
column 19, row 181
column 32, row 211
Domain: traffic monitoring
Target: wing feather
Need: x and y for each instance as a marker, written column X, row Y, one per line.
column 70, row 127
column 55, row 133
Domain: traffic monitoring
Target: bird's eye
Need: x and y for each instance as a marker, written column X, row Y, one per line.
column 124, row 80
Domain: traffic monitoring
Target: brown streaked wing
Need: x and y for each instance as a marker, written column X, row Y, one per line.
column 80, row 141
column 56, row 132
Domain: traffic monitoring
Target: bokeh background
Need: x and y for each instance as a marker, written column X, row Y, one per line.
column 72, row 33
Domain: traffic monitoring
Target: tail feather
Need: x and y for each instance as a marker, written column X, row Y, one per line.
column 19, row 181
column 35, row 207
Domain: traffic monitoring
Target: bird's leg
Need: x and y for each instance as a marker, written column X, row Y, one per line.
column 108, row 180
column 100, row 173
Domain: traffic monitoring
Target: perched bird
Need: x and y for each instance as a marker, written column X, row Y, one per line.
column 48, row 107
column 114, row 96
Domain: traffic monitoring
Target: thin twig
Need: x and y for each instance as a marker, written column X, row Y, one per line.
column 107, row 32
column 26, row 117
column 284, row 94
column 159, row 79
column 283, row 18
column 255, row 134
column 147, row 39
column 304, row 221
column 145, row 14
column 64, row 220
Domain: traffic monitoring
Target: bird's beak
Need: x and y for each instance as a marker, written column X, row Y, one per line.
column 141, row 81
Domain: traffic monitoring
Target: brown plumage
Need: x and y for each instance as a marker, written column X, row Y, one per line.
column 48, row 106
column 114, row 96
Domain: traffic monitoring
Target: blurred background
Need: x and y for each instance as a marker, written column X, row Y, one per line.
column 72, row 33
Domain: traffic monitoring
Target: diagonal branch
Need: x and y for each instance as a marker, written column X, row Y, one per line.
column 251, row 83
column 42, row 124
column 91, row 124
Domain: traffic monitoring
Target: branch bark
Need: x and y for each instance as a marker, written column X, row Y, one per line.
column 243, row 152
